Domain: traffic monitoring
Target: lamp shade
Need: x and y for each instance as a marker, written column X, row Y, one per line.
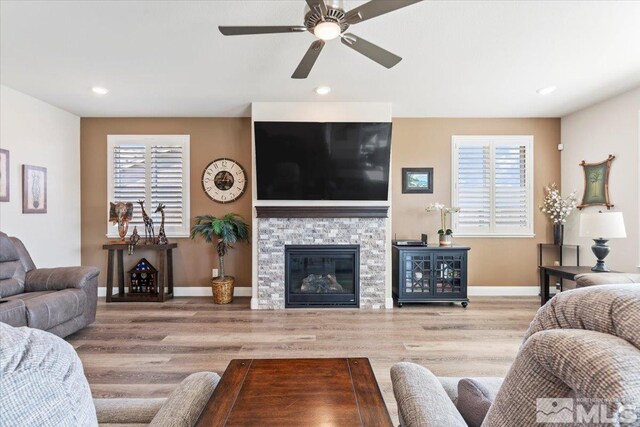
column 603, row 225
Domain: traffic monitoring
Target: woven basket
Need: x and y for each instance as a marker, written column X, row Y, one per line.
column 222, row 290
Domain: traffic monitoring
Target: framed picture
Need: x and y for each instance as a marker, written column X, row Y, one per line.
column 4, row 175
column 34, row 189
column 596, row 183
column 417, row 180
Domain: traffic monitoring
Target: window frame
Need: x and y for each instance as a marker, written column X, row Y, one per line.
column 492, row 141
column 148, row 141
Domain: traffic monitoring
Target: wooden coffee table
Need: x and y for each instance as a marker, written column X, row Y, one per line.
column 296, row 392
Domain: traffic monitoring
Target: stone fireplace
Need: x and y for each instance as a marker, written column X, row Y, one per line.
column 276, row 234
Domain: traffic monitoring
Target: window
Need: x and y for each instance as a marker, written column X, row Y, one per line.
column 493, row 185
column 153, row 168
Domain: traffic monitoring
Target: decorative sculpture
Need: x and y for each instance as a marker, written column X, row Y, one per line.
column 149, row 236
column 121, row 213
column 133, row 240
column 162, row 237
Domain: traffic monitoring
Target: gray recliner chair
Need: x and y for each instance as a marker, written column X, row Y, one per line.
column 581, row 350
column 58, row 300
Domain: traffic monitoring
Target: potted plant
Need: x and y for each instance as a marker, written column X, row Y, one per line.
column 558, row 210
column 445, row 234
column 223, row 232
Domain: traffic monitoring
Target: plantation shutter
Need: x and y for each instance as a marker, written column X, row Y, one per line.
column 129, row 175
column 166, row 182
column 511, row 187
column 492, row 185
column 474, row 186
column 153, row 168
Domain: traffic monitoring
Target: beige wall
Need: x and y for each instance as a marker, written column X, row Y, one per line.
column 416, row 143
column 427, row 143
column 211, row 138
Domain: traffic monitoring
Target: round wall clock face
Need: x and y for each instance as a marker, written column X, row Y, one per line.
column 224, row 180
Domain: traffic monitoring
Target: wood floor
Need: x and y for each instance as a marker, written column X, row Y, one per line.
column 146, row 349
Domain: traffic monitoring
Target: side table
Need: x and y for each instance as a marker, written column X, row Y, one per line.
column 165, row 255
column 562, row 272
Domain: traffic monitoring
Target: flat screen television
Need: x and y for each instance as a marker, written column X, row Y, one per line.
column 322, row 161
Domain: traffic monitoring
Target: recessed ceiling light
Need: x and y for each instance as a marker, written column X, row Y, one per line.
column 98, row 90
column 322, row 90
column 546, row 90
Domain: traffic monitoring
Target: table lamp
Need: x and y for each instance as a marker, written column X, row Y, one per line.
column 601, row 227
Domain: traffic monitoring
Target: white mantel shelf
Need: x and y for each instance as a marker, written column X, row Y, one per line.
column 322, row 211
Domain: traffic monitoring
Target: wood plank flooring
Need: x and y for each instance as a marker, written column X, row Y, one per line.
column 146, row 349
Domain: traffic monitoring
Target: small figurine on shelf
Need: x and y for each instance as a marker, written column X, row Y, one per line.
column 149, row 237
column 133, row 240
column 162, row 237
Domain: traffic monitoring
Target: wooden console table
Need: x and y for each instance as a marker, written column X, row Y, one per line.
column 165, row 255
column 296, row 392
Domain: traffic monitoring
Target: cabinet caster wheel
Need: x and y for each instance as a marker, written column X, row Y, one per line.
column 399, row 305
column 465, row 304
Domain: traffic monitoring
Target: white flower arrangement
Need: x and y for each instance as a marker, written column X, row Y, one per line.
column 444, row 212
column 555, row 207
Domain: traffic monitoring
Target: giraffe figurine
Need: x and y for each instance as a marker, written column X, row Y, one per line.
column 162, row 237
column 149, row 237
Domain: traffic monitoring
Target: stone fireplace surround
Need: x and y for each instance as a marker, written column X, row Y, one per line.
column 273, row 233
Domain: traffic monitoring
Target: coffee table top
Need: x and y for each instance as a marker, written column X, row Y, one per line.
column 296, row 392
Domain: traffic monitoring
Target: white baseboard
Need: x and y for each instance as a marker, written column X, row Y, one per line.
column 194, row 291
column 503, row 291
column 473, row 291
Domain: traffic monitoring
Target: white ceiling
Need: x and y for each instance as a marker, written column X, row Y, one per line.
column 461, row 59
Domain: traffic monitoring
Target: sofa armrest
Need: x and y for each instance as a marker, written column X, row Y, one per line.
column 594, row 279
column 184, row 405
column 57, row 279
column 421, row 399
column 127, row 411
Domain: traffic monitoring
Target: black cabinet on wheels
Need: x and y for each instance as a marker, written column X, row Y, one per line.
column 430, row 274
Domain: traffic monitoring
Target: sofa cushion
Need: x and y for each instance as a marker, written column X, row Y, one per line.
column 28, row 295
column 53, row 308
column 23, row 254
column 594, row 279
column 474, row 401
column 13, row 312
column 42, row 381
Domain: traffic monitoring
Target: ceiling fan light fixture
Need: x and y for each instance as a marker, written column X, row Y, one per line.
column 327, row 30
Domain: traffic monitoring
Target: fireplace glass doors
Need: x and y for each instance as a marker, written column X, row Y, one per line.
column 322, row 275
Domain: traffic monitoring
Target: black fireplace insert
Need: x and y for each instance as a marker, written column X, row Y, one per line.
column 322, row 275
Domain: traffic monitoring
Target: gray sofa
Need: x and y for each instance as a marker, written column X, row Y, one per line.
column 583, row 345
column 58, row 300
column 43, row 384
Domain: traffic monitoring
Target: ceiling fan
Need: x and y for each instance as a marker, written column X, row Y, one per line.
column 327, row 20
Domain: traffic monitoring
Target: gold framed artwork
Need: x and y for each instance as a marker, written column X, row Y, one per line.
column 4, row 175
column 34, row 189
column 596, row 183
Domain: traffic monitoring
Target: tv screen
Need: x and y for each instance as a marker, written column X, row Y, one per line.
column 322, row 161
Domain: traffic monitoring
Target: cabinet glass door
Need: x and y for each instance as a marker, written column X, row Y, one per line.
column 417, row 274
column 448, row 273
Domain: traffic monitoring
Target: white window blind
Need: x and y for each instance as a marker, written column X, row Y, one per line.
column 492, row 184
column 153, row 168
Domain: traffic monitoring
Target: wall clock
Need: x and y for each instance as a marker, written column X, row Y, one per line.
column 224, row 180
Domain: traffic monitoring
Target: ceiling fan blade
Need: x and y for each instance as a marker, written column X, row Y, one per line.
column 376, row 8
column 370, row 50
column 240, row 31
column 319, row 5
column 304, row 68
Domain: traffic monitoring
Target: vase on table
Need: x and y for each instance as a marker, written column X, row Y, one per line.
column 445, row 239
column 558, row 234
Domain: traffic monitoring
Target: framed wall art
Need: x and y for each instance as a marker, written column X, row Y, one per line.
column 4, row 176
column 596, row 183
column 34, row 189
column 417, row 180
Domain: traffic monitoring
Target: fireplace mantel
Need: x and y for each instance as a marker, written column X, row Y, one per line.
column 322, row 211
